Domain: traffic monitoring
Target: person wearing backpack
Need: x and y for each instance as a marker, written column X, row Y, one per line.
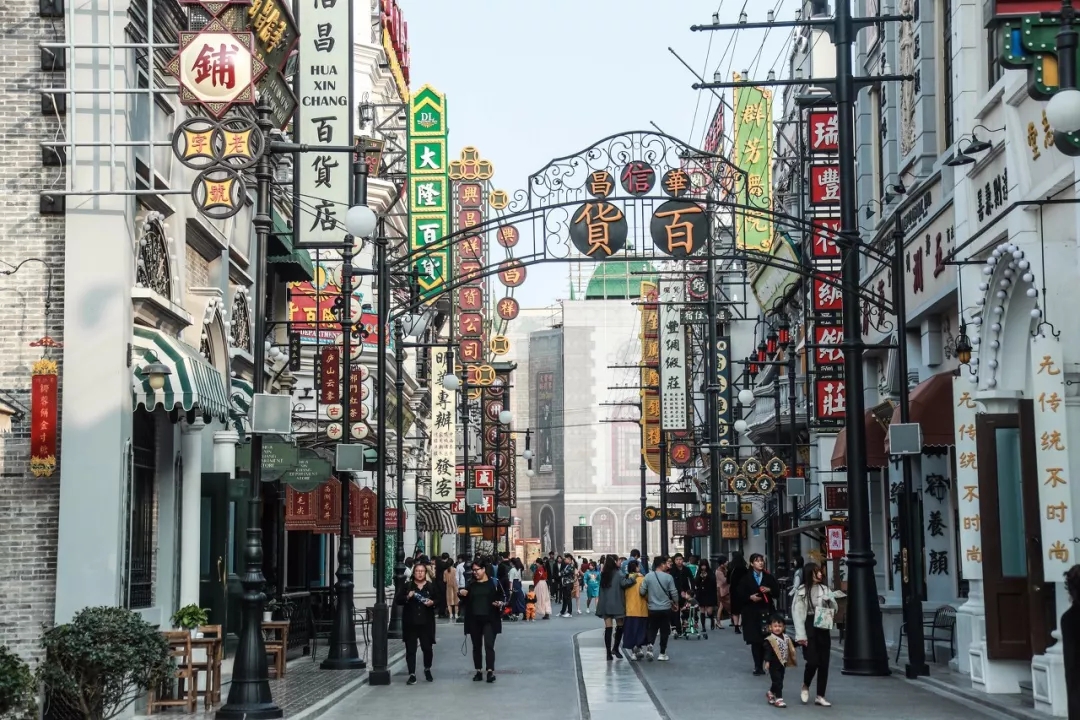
column 659, row 588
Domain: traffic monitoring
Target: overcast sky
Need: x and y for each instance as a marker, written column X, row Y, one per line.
column 530, row 81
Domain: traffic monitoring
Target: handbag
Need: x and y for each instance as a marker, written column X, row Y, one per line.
column 823, row 618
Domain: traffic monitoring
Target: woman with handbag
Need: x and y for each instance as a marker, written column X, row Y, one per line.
column 756, row 594
column 812, row 613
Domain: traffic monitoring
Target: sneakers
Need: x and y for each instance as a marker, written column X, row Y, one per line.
column 411, row 680
column 822, row 702
column 663, row 657
column 648, row 653
column 427, row 675
column 478, row 676
column 804, row 695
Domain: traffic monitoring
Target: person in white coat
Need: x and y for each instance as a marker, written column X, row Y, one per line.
column 812, row 614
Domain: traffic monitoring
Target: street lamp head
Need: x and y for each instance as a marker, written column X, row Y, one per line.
column 746, row 396
column 977, row 145
column 963, row 346
column 784, row 333
column 530, row 472
column 360, row 221
column 528, row 454
column 761, row 349
column 505, row 417
column 1063, row 110
column 960, row 158
column 770, row 342
column 451, row 382
column 156, row 372
column 741, row 427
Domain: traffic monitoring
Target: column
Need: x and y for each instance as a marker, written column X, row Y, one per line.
column 225, row 451
column 409, row 504
column 190, row 503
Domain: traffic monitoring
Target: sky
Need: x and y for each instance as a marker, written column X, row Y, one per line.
column 530, row 81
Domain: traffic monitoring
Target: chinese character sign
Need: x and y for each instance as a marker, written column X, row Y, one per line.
column 1052, row 458
column 724, row 410
column 753, row 154
column 42, row 425
column 650, row 374
column 831, row 399
column 443, row 429
column 967, row 479
column 822, row 132
column 672, row 355
column 325, row 77
column 429, row 187
column 216, row 68
column 824, row 184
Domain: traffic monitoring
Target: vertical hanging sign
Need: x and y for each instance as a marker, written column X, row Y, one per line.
column 325, row 91
column 967, row 480
column 753, row 154
column 43, row 418
column 672, row 355
column 1052, row 457
column 443, row 431
column 429, row 190
column 650, row 375
column 723, row 381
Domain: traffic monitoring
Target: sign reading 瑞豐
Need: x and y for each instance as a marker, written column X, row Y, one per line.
column 429, row 188
column 325, row 94
column 967, row 479
column 443, row 431
column 1052, row 457
column 752, row 153
column 672, row 355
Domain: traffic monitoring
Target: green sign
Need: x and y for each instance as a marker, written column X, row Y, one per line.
column 308, row 474
column 277, row 458
column 429, row 189
column 753, row 156
column 388, row 565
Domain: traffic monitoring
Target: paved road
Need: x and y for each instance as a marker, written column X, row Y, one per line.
column 557, row 669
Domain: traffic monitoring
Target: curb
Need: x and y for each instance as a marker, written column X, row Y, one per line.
column 394, row 659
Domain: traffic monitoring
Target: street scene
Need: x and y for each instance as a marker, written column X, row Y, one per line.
column 584, row 359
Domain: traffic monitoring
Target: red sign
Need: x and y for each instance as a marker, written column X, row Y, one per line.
column 470, row 324
column 328, row 507
column 681, row 454
column 835, row 497
column 330, row 375
column 825, row 184
column 392, row 518
column 828, row 335
column 714, row 136
column 512, row 273
column 823, row 134
column 469, row 270
column 43, row 418
column 488, row 506
column 827, row 296
column 835, row 536
column 825, row 232
column 299, row 509
column 508, row 308
column 356, row 397
column 363, row 506
column 1026, row 7
column 830, row 399
column 472, row 351
column 458, row 506
column 398, row 30
column 483, row 477
column 469, row 195
column 507, row 236
column 470, row 298
column 309, row 305
column 469, row 218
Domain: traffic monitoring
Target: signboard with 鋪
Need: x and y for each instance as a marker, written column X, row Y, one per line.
column 325, row 97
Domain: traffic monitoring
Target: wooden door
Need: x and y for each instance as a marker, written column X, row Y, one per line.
column 214, row 560
column 1016, row 619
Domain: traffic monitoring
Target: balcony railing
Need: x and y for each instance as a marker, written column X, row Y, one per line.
column 762, row 418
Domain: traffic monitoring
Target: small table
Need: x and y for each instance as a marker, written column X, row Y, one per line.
column 212, row 666
column 276, row 634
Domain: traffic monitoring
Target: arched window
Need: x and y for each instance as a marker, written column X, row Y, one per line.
column 603, row 523
column 152, row 257
column 632, row 530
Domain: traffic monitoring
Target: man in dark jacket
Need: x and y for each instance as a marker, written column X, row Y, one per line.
column 553, row 566
column 684, row 583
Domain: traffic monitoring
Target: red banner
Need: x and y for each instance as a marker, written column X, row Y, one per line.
column 823, row 134
column 825, row 232
column 329, row 375
column 328, row 508
column 363, row 504
column 43, row 418
column 827, row 295
column 830, row 399
column 299, row 509
column 825, row 184
column 825, row 336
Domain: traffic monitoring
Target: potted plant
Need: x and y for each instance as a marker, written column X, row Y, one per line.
column 103, row 660
column 272, row 606
column 17, row 688
column 189, row 618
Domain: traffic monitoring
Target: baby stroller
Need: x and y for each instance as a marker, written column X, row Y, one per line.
column 517, row 601
column 694, row 627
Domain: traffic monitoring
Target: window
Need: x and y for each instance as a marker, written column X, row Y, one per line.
column 994, row 70
column 604, row 531
column 632, row 528
column 141, row 550
column 945, row 63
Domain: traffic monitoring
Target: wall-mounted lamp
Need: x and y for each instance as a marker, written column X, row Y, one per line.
column 156, row 372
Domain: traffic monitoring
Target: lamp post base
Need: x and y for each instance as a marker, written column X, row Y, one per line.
column 379, row 674
column 257, row 711
column 394, row 631
column 343, row 664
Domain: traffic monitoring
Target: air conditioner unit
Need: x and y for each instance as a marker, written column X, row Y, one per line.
column 731, row 508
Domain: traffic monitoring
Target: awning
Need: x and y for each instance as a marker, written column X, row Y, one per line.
column 812, row 527
column 876, row 457
column 240, row 397
column 931, row 406
column 290, row 264
column 193, row 382
column 434, row 517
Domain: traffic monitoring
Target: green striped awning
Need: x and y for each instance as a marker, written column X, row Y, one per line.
column 290, row 264
column 240, row 405
column 192, row 383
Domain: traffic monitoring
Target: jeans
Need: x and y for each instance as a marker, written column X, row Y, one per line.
column 423, row 636
column 659, row 620
column 567, row 603
column 483, row 643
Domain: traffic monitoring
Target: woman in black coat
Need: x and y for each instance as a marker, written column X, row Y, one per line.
column 736, row 572
column 482, row 601
column 1070, row 639
column 705, row 592
column 757, row 593
column 418, row 597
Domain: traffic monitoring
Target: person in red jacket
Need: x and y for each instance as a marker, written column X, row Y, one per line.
column 540, row 587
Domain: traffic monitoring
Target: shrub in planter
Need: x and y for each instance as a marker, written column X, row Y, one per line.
column 103, row 660
column 189, row 617
column 16, row 686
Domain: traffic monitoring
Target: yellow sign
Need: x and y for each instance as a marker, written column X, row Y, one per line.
column 498, row 199
column 500, row 345
column 395, row 66
column 471, row 166
column 484, row 375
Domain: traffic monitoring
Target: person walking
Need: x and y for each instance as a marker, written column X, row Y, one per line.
column 417, row 598
column 635, row 555
column 659, row 588
column 567, row 581
column 684, row 585
column 482, row 603
column 705, row 591
column 554, row 564
column 579, row 582
column 611, row 604
column 637, row 613
column 736, row 572
column 812, row 611
column 757, row 593
column 1070, row 641
column 450, row 581
column 543, row 592
column 723, row 591
column 592, row 586
column 779, row 654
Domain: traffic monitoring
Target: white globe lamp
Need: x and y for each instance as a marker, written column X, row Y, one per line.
column 505, row 417
column 741, row 427
column 360, row 221
column 1063, row 110
column 528, row 454
column 746, row 396
column 451, row 382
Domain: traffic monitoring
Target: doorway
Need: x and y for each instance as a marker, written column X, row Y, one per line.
column 1019, row 614
column 215, row 561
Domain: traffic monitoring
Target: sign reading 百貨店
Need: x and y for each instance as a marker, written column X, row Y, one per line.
column 325, row 118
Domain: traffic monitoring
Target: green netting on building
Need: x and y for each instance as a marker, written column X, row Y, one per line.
column 614, row 279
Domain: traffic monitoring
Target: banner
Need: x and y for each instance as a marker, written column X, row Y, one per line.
column 43, row 409
column 650, row 375
column 967, row 480
column 672, row 355
column 752, row 155
column 443, row 430
column 429, row 190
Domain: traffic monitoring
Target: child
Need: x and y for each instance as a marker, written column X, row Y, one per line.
column 530, row 606
column 779, row 655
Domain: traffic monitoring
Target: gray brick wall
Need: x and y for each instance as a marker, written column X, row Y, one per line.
column 198, row 268
column 28, row 505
